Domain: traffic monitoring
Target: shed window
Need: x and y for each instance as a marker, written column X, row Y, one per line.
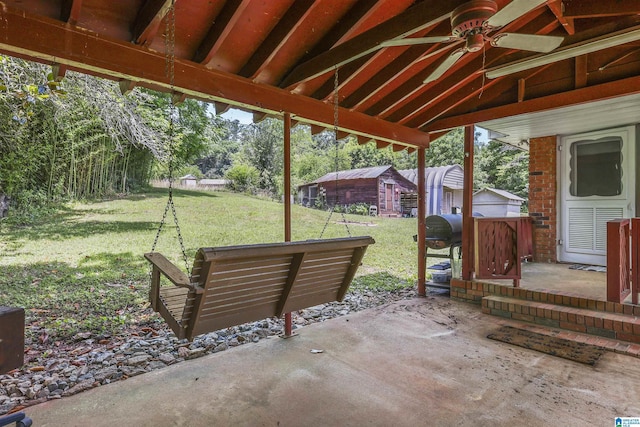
column 596, row 168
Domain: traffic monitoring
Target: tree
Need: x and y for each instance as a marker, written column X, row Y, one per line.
column 504, row 167
column 80, row 137
column 446, row 150
column 220, row 154
column 263, row 150
column 243, row 177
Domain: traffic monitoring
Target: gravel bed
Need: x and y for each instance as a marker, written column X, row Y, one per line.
column 56, row 370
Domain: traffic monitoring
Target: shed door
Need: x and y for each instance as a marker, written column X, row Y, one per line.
column 597, row 183
column 389, row 196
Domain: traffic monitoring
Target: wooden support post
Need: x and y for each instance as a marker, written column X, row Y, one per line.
column 288, row 325
column 467, row 205
column 635, row 259
column 287, row 177
column 422, row 231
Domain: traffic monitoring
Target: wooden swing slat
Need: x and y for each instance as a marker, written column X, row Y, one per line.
column 238, row 284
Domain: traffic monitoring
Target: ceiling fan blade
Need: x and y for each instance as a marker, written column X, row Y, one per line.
column 513, row 11
column 417, row 40
column 446, row 64
column 530, row 42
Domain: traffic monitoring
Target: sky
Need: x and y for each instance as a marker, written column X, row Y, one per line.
column 247, row 118
column 242, row 116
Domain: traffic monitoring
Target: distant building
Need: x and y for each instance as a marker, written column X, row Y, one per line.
column 380, row 187
column 496, row 203
column 443, row 188
column 188, row 181
column 213, row 184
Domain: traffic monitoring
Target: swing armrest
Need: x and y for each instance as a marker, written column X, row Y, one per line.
column 162, row 265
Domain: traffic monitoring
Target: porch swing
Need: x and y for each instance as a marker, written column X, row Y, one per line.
column 231, row 285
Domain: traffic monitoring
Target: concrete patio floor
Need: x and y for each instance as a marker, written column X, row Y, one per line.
column 418, row 362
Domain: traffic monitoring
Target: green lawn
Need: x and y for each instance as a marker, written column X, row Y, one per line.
column 83, row 269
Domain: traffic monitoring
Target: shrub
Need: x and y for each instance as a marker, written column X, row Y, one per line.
column 244, row 178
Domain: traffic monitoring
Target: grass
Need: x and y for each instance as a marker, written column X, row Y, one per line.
column 82, row 270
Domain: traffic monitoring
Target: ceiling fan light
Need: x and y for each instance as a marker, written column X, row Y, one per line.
column 475, row 42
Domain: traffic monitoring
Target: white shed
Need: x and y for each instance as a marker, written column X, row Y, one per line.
column 188, row 181
column 491, row 202
column 214, row 184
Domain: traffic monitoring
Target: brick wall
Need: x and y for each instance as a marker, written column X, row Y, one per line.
column 542, row 197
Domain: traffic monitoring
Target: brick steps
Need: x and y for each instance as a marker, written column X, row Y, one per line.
column 603, row 324
column 609, row 344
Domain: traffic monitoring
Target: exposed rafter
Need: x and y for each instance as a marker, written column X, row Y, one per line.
column 401, row 64
column 222, row 26
column 567, row 23
column 574, row 9
column 613, row 89
column 70, row 11
column 279, row 36
column 147, row 23
column 50, row 40
column 419, row 17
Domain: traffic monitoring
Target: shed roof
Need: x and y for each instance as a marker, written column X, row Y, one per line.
column 362, row 173
column 435, row 173
column 502, row 193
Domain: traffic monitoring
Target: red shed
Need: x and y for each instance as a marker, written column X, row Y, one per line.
column 378, row 186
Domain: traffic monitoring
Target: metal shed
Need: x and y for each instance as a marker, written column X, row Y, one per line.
column 443, row 185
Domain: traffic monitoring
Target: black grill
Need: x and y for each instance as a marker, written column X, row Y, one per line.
column 443, row 231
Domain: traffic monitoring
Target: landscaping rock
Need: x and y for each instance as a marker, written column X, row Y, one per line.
column 86, row 361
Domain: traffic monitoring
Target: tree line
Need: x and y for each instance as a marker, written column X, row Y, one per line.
column 79, row 137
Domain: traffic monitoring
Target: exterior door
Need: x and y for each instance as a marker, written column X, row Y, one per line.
column 597, row 185
column 389, row 197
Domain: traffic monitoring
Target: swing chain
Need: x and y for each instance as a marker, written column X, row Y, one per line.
column 169, row 42
column 336, row 101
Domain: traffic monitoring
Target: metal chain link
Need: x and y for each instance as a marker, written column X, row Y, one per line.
column 169, row 45
column 336, row 101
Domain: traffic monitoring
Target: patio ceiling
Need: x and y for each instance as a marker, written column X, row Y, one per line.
column 279, row 56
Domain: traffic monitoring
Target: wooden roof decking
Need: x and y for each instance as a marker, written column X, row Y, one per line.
column 280, row 56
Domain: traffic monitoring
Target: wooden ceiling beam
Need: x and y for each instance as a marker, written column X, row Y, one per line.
column 416, row 18
column 277, row 38
column 49, row 41
column 220, row 28
column 147, row 22
column 363, row 70
column 557, row 9
column 361, row 15
column 345, row 75
column 397, row 67
column 316, row 129
column 405, row 101
column 59, row 71
column 259, row 116
column 70, row 11
column 628, row 86
column 469, row 94
column 581, row 9
column 126, row 86
column 581, row 71
column 412, row 85
column 221, row 107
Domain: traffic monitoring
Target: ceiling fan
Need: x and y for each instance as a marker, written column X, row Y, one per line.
column 473, row 21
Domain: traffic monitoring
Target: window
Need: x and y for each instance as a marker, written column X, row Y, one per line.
column 596, row 168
